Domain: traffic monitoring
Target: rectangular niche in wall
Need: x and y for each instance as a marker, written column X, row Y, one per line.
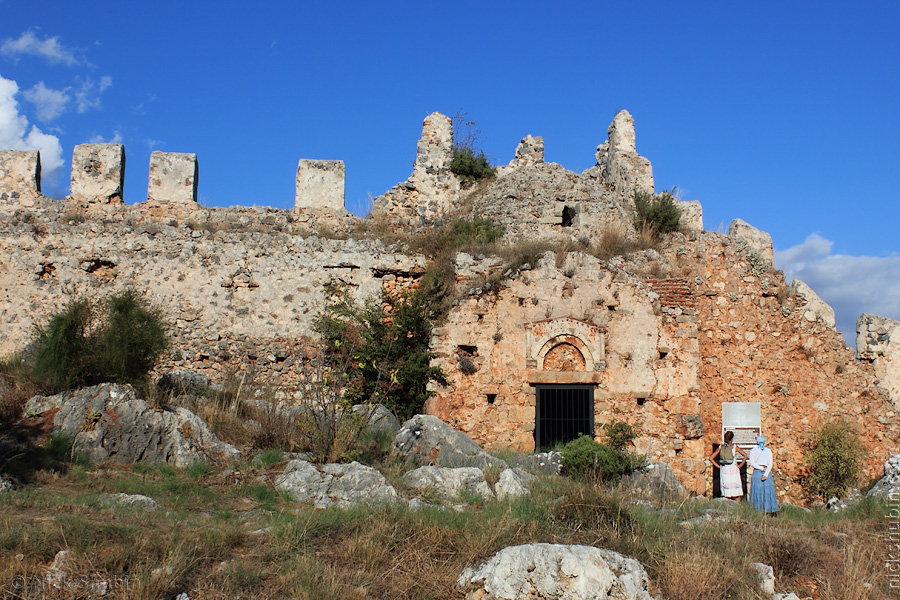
column 562, row 413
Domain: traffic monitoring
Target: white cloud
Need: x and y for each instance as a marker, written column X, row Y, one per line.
column 48, row 102
column 15, row 134
column 87, row 96
column 99, row 139
column 49, row 49
column 852, row 285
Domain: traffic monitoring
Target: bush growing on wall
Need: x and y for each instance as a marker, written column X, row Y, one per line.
column 469, row 162
column 834, row 459
column 89, row 343
column 657, row 213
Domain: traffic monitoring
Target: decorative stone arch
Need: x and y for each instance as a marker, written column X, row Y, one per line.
column 569, row 352
column 566, row 335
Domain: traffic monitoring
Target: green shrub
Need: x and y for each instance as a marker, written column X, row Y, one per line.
column 469, row 165
column 586, row 459
column 380, row 349
column 657, row 213
column 834, row 459
column 86, row 343
column 478, row 231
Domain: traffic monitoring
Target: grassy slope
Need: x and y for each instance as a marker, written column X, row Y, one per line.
column 228, row 534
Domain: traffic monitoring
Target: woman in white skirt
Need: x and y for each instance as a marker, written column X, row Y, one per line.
column 730, row 470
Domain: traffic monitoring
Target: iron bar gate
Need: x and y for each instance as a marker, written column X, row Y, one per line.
column 562, row 413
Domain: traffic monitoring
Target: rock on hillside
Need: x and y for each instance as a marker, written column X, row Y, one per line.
column 429, row 441
column 108, row 422
column 544, row 571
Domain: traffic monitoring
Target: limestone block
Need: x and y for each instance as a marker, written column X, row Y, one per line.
column 618, row 163
column 320, row 185
column 691, row 215
column 173, row 178
column 819, row 307
column 759, row 241
column 98, row 173
column 20, row 177
column 874, row 342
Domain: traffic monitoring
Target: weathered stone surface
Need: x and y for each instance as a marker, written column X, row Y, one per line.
column 98, row 174
column 529, row 152
column 513, row 483
column 618, row 164
column 693, row 427
column 691, row 215
column 544, row 463
column 429, row 441
column 450, row 482
column 655, row 480
column 430, row 192
column 380, row 418
column 814, row 304
column 320, row 185
column 135, row 501
column 180, row 381
column 765, row 578
column 887, row 489
column 875, row 337
column 20, row 177
column 554, row 571
column 338, row 484
column 109, row 423
column 758, row 241
column 173, row 178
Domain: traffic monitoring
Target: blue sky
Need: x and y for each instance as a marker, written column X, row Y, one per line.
column 782, row 114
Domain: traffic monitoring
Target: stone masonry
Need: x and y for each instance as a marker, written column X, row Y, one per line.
column 320, row 186
column 619, row 165
column 429, row 194
column 98, row 174
column 173, row 178
column 876, row 339
column 20, row 177
column 661, row 336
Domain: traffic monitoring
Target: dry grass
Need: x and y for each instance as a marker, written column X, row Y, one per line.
column 232, row 535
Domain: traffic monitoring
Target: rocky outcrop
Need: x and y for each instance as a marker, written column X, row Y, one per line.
column 20, row 177
column 335, row 484
column 552, row 571
column 874, row 344
column 691, row 215
column 887, row 489
column 815, row 308
column 757, row 240
column 619, row 166
column 427, row 440
column 448, row 483
column 173, row 179
column 98, row 174
column 109, row 422
column 133, row 501
column 320, row 186
column 656, row 480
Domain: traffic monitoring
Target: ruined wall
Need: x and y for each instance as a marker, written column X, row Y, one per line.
column 20, row 177
column 98, row 174
column 239, row 287
column 876, row 339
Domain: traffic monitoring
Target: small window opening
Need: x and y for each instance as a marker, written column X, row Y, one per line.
column 491, row 398
column 663, row 354
column 568, row 214
column 640, row 401
column 611, row 307
column 467, row 350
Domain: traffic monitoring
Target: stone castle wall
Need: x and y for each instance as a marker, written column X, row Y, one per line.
column 664, row 336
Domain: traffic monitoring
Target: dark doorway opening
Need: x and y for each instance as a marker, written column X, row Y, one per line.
column 717, row 487
column 562, row 413
column 568, row 215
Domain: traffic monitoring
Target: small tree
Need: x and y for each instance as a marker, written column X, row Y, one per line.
column 658, row 213
column 835, row 459
column 89, row 343
column 469, row 162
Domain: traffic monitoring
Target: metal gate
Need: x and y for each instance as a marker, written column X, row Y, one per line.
column 562, row 413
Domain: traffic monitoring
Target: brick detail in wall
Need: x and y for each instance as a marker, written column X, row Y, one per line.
column 673, row 292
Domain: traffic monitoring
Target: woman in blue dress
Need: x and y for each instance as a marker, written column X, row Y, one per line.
column 762, row 486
